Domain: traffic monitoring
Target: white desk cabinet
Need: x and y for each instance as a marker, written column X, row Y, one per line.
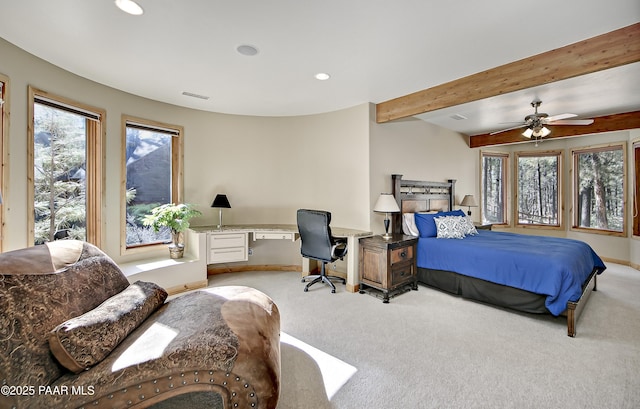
column 227, row 247
column 231, row 244
column 267, row 235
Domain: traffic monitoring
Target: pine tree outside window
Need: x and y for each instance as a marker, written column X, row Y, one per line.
column 539, row 189
column 493, row 182
column 65, row 169
column 599, row 186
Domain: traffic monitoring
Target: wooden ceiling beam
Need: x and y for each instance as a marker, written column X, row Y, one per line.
column 613, row 49
column 607, row 123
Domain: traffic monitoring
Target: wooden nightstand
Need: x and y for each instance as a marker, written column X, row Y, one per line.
column 388, row 265
column 480, row 226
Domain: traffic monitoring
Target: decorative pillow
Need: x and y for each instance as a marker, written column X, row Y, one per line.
column 470, row 229
column 83, row 341
column 427, row 226
column 450, row 227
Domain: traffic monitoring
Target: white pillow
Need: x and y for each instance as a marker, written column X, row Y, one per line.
column 409, row 225
column 470, row 229
column 450, row 227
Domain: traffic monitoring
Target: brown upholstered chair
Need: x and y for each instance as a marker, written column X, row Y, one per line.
column 222, row 342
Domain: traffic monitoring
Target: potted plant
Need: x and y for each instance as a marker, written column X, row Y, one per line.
column 176, row 218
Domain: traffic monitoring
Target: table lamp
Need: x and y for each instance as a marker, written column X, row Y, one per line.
column 386, row 204
column 221, row 202
column 470, row 202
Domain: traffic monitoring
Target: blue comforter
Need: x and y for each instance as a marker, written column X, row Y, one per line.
column 551, row 266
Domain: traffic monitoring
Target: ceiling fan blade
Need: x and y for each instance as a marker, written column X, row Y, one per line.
column 508, row 129
column 558, row 117
column 572, row 122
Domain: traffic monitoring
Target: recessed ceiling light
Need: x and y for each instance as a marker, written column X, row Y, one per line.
column 322, row 76
column 247, row 50
column 129, row 6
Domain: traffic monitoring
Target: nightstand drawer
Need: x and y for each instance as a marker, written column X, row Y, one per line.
column 401, row 274
column 401, row 254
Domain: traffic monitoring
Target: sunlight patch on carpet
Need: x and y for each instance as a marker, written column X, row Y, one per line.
column 335, row 372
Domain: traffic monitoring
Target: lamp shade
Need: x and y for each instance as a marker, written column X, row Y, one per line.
column 221, row 201
column 469, row 201
column 386, row 204
column 544, row 131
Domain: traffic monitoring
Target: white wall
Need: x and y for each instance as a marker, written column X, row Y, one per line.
column 268, row 167
column 419, row 151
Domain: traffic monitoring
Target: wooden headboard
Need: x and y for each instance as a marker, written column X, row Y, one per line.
column 420, row 196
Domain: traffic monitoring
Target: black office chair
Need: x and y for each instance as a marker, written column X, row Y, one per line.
column 319, row 244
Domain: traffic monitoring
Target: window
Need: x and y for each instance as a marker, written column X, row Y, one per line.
column 598, row 180
column 4, row 131
column 152, row 172
column 636, row 191
column 65, row 169
column 538, row 194
column 493, row 207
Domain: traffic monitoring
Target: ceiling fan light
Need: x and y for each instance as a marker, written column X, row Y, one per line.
column 544, row 131
column 527, row 133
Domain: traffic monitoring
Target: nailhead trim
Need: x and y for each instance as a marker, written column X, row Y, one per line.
column 241, row 394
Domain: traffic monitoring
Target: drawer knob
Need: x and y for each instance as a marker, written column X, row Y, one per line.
column 403, row 254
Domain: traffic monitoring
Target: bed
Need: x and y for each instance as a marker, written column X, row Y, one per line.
column 532, row 274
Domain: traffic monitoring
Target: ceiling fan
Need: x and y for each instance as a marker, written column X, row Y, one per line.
column 535, row 123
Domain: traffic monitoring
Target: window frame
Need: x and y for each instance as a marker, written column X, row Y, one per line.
column 635, row 210
column 574, row 182
column 4, row 152
column 560, row 199
column 504, row 156
column 177, row 174
column 95, row 156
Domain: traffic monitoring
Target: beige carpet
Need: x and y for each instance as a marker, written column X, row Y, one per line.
column 427, row 349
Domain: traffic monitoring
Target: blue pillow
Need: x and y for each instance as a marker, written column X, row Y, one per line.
column 427, row 226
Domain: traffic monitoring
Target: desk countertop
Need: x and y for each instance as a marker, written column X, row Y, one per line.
column 289, row 228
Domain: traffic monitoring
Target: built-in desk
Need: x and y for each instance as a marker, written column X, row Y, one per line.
column 231, row 244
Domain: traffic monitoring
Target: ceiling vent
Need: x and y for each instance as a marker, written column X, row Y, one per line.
column 191, row 94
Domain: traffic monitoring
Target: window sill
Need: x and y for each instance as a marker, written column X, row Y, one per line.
column 598, row 231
